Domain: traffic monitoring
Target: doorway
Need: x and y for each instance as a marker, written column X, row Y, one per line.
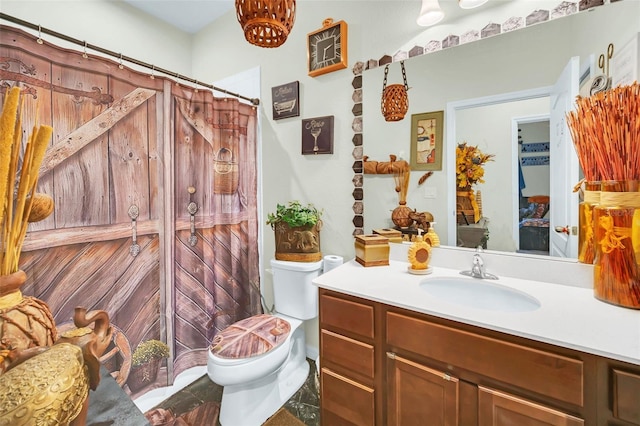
column 532, row 136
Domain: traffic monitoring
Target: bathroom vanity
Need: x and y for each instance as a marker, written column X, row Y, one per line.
column 392, row 353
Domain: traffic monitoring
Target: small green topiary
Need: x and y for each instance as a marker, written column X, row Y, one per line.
column 148, row 350
column 294, row 214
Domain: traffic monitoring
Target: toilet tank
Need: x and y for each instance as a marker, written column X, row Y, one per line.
column 293, row 292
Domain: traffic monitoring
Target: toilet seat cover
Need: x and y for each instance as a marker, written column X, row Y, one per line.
column 249, row 337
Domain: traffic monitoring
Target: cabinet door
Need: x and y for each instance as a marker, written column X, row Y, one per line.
column 500, row 409
column 345, row 401
column 419, row 395
column 626, row 396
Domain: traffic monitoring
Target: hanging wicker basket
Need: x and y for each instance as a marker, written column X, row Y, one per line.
column 395, row 100
column 225, row 167
column 266, row 23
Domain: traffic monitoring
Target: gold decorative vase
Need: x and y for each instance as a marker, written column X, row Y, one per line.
column 298, row 244
column 617, row 244
column 25, row 322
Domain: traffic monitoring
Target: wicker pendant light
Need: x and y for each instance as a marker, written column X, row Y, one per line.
column 266, row 23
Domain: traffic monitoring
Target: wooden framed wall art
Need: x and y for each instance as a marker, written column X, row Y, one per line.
column 285, row 100
column 426, row 140
column 317, row 135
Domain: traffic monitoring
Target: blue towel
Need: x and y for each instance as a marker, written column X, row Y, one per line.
column 521, row 179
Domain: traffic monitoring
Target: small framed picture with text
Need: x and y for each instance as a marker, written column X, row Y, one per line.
column 285, row 100
column 317, row 135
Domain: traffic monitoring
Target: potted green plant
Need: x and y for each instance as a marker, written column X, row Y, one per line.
column 145, row 363
column 297, row 232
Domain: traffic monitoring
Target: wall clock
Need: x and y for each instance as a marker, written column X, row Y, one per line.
column 327, row 48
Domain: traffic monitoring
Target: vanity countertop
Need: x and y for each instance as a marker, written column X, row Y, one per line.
column 569, row 316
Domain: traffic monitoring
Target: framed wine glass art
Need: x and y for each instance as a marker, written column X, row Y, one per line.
column 317, row 135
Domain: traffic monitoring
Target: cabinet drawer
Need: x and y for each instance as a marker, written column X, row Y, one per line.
column 344, row 401
column 348, row 353
column 539, row 371
column 347, row 315
column 501, row 409
column 626, row 396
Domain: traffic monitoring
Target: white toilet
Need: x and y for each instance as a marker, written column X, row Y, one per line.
column 261, row 361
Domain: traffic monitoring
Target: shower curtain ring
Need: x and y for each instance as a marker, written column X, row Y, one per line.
column 39, row 40
column 153, row 70
column 84, row 53
column 120, row 64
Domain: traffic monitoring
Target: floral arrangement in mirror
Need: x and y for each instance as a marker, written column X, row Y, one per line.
column 470, row 161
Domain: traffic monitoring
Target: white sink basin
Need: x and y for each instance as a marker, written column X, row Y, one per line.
column 480, row 294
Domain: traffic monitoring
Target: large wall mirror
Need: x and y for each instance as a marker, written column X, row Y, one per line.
column 487, row 88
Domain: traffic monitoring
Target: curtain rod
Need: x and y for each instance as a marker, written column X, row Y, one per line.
column 120, row 56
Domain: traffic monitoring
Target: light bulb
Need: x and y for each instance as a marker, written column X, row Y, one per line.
column 430, row 13
column 470, row 4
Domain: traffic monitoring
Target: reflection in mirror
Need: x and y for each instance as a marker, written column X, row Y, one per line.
column 523, row 61
column 490, row 128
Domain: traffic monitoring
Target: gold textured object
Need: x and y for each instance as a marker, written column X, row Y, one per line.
column 266, row 23
column 372, row 250
column 48, row 389
column 50, row 385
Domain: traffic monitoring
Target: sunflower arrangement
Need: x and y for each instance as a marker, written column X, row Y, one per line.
column 19, row 202
column 470, row 165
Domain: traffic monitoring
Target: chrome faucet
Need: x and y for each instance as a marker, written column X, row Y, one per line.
column 478, row 268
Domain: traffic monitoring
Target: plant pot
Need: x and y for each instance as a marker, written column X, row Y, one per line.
column 25, row 322
column 298, row 244
column 143, row 375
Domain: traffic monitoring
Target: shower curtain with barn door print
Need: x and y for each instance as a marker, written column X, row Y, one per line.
column 216, row 244
column 138, row 229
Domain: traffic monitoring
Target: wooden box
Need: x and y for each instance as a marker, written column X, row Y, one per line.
column 394, row 235
column 372, row 250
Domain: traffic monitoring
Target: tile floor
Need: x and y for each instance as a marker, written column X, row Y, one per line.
column 304, row 404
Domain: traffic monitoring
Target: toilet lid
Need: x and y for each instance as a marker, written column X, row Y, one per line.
column 249, row 337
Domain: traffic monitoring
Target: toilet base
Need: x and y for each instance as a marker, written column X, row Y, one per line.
column 251, row 404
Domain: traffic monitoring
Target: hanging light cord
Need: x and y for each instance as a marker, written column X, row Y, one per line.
column 120, row 57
